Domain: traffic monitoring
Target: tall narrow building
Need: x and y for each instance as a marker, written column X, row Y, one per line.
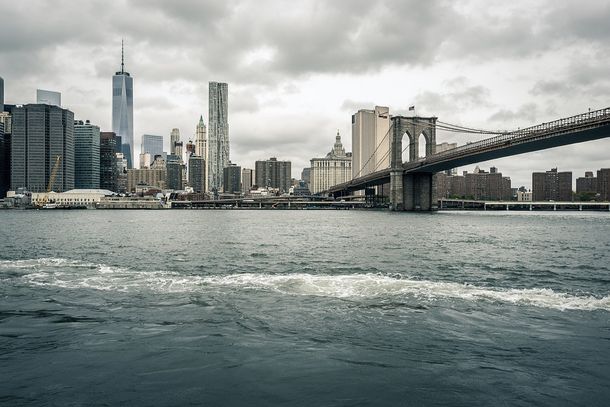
column 174, row 138
column 122, row 110
column 218, row 137
column 86, row 155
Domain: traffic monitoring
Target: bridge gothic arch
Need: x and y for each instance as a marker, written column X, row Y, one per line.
column 412, row 191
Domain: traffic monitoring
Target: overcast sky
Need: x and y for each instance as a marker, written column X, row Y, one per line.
column 297, row 70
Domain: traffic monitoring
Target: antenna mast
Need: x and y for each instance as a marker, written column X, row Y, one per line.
column 122, row 58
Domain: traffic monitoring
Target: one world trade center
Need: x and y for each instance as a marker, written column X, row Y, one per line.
column 122, row 110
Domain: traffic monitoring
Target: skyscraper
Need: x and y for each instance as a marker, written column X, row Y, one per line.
column 552, row 186
column 218, row 138
column 174, row 138
column 122, row 110
column 201, row 139
column 231, row 179
column 246, row 180
column 197, row 173
column 152, row 144
column 43, row 136
column 333, row 169
column 108, row 165
column 370, row 145
column 86, row 155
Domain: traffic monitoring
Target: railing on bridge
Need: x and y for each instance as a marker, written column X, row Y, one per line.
column 526, row 134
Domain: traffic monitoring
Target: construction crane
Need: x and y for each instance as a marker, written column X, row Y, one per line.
column 54, row 173
column 51, row 180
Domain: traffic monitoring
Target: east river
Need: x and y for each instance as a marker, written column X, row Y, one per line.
column 304, row 308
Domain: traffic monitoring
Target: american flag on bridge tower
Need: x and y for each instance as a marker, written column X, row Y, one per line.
column 411, row 108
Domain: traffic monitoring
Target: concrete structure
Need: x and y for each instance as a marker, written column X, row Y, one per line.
column 272, row 173
column 41, row 133
column 478, row 185
column 197, row 173
column 122, row 110
column 48, row 97
column 231, row 179
column 174, row 138
column 603, row 184
column 155, row 176
column 247, row 180
column 333, row 169
column 152, row 144
column 108, row 167
column 370, row 141
column 552, row 186
column 146, row 160
column 218, row 134
column 86, row 155
column 586, row 184
column 74, row 198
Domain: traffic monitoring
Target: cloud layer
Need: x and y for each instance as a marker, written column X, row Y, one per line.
column 298, row 70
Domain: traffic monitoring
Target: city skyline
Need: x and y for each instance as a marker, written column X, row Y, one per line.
column 288, row 99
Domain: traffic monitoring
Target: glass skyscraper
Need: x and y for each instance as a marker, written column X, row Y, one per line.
column 122, row 110
column 152, row 144
column 218, row 134
column 86, row 155
column 43, row 135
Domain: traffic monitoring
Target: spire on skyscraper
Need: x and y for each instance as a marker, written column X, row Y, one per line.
column 122, row 57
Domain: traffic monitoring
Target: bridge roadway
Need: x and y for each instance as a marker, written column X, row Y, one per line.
column 576, row 129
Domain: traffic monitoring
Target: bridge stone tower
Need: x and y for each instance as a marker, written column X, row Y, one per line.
column 413, row 191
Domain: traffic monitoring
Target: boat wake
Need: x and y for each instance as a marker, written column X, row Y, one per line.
column 72, row 274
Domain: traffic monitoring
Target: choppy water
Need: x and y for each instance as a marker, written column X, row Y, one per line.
column 333, row 308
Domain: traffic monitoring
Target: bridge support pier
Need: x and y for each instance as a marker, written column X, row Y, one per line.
column 396, row 191
column 418, row 191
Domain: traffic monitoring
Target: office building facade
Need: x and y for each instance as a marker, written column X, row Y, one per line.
column 42, row 138
column 196, row 173
column 335, row 168
column 86, row 155
column 122, row 110
column 272, row 173
column 586, row 184
column 247, row 180
column 231, row 179
column 370, row 141
column 152, row 144
column 174, row 172
column 108, row 167
column 218, row 134
column 603, row 184
column 174, row 138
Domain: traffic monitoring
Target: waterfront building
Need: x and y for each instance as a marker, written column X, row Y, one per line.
column 201, row 139
column 603, row 184
column 155, row 176
column 370, row 141
column 246, row 180
column 218, row 134
column 174, row 138
column 272, row 173
column 479, row 185
column 231, row 179
column 552, row 186
column 586, row 184
column 108, row 166
column 42, row 135
column 86, row 155
column 174, row 172
column 122, row 110
column 152, row 144
column 196, row 173
column 48, row 97
column 74, row 198
column 335, row 168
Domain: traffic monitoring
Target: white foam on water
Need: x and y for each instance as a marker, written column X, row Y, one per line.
column 71, row 274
